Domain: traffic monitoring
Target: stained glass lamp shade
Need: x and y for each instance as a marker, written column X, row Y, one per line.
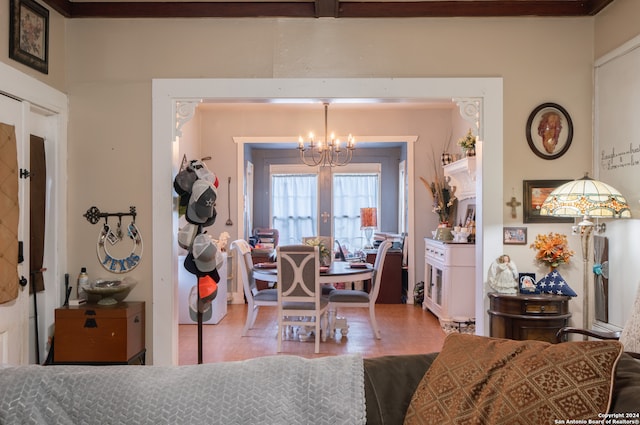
column 586, row 198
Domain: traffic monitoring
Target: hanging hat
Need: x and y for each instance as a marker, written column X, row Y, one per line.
column 553, row 283
column 203, row 172
column 201, row 203
column 195, row 305
column 207, row 288
column 204, row 252
column 186, row 235
column 191, row 267
column 183, row 181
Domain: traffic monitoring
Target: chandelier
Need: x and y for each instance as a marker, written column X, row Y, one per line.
column 328, row 152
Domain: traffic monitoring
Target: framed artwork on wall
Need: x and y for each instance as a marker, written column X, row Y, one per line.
column 534, row 192
column 549, row 131
column 29, row 34
column 514, row 236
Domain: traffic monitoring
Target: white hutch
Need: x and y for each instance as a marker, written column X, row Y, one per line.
column 449, row 268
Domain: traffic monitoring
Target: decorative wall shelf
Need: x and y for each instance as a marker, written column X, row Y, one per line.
column 462, row 175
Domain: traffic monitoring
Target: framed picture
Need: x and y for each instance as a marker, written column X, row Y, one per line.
column 515, row 236
column 527, row 283
column 29, row 34
column 549, row 131
column 534, row 192
column 470, row 216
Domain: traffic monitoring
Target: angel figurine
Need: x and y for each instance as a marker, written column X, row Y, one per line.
column 503, row 275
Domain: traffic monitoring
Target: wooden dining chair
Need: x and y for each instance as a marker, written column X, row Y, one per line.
column 255, row 298
column 360, row 298
column 300, row 302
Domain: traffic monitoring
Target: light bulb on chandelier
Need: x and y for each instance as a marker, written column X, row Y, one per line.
column 327, row 152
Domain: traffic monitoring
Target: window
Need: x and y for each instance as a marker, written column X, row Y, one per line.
column 294, row 202
column 354, row 186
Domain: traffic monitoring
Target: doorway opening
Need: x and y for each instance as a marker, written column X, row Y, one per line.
column 167, row 94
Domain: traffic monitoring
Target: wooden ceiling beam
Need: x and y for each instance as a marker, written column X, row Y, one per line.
column 328, row 8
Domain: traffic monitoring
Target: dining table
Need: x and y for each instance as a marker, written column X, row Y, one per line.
column 337, row 272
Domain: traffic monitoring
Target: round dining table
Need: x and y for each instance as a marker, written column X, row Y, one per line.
column 339, row 271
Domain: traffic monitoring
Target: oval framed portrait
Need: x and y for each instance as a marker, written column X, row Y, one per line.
column 549, row 131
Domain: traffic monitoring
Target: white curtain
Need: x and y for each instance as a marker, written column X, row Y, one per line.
column 294, row 200
column 350, row 193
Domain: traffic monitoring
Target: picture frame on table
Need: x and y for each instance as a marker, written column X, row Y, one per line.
column 29, row 34
column 549, row 131
column 534, row 192
column 514, row 235
column 527, row 283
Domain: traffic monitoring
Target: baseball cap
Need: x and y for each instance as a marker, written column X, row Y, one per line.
column 190, row 266
column 195, row 305
column 184, row 180
column 204, row 252
column 208, row 288
column 201, row 203
column 203, row 172
column 186, row 235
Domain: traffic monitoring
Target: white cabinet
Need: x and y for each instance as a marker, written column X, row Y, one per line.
column 449, row 287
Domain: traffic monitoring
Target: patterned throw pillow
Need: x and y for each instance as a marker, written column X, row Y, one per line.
column 478, row 379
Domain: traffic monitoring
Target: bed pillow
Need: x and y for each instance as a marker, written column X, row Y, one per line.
column 478, row 379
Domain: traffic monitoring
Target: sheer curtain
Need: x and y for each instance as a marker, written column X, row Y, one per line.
column 294, row 206
column 351, row 192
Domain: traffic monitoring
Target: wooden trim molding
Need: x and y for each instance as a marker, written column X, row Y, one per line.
column 327, row 8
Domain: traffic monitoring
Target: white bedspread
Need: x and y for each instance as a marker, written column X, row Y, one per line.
column 282, row 390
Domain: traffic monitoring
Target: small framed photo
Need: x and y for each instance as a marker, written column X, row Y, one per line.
column 534, row 192
column 470, row 215
column 549, row 131
column 29, row 34
column 527, row 283
column 515, row 236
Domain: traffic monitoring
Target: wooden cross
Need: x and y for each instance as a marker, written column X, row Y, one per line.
column 513, row 204
column 325, row 216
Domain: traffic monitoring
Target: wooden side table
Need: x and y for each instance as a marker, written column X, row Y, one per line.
column 96, row 334
column 521, row 317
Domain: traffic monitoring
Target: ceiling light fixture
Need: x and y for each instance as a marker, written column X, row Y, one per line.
column 328, row 152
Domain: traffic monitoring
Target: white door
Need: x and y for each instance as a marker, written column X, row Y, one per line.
column 14, row 315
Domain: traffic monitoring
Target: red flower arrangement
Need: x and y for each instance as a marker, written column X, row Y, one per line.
column 553, row 249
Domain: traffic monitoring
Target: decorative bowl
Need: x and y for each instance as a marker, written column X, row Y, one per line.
column 109, row 291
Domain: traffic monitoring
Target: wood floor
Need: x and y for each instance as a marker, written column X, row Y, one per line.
column 405, row 328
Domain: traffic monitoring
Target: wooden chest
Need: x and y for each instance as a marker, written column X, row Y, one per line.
column 98, row 334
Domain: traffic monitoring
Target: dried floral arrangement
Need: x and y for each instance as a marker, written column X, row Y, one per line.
column 444, row 199
column 552, row 249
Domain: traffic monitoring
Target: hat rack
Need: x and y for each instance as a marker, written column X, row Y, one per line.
column 93, row 214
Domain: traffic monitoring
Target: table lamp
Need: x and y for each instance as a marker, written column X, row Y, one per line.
column 586, row 198
column 368, row 222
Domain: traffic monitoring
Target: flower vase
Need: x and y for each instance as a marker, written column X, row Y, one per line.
column 443, row 233
column 325, row 260
column 470, row 152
